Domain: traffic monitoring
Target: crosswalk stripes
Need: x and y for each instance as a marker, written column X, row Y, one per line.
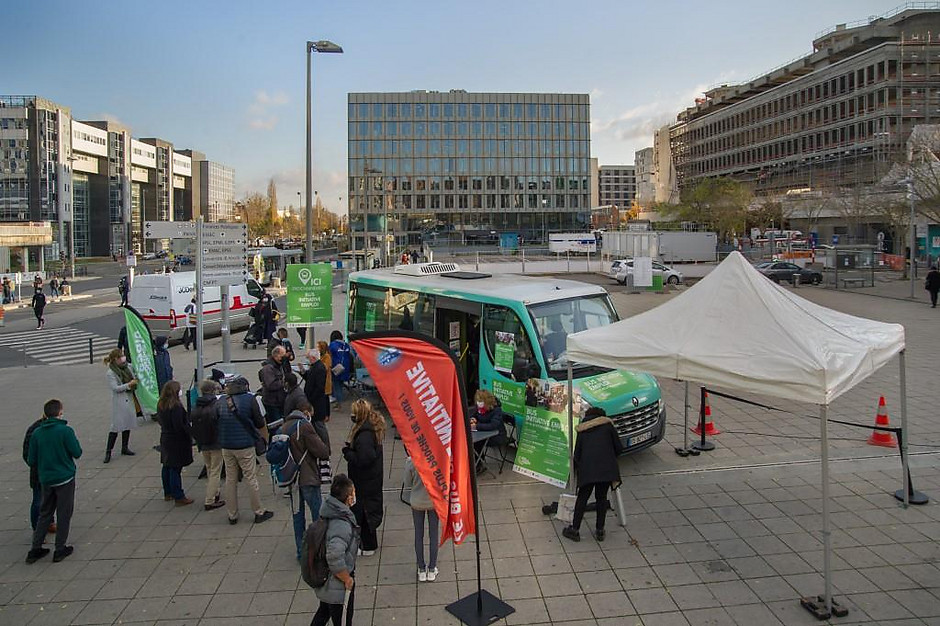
column 58, row 346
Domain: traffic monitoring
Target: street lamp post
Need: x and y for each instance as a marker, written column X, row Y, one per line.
column 324, row 47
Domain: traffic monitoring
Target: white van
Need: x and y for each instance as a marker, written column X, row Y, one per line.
column 161, row 299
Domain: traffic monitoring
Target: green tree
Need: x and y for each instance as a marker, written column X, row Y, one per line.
column 719, row 204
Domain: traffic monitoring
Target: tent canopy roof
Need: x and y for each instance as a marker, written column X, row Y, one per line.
column 738, row 330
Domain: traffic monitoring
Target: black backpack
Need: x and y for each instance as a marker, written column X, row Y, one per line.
column 204, row 426
column 313, row 566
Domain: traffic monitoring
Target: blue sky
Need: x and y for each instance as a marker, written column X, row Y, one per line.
column 227, row 77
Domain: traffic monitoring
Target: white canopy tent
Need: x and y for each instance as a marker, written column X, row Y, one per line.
column 738, row 330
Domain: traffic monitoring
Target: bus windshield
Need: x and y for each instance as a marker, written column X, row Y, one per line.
column 554, row 321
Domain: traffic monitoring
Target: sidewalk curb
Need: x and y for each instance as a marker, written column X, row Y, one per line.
column 24, row 305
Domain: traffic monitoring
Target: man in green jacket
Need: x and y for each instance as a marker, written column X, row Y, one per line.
column 53, row 449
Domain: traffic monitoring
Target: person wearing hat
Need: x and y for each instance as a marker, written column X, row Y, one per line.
column 595, row 462
column 161, row 360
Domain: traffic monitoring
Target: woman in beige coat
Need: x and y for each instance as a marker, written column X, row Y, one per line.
column 122, row 381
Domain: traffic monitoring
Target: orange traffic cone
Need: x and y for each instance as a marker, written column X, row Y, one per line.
column 882, row 437
column 710, row 428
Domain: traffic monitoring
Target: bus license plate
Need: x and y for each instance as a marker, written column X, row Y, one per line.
column 637, row 439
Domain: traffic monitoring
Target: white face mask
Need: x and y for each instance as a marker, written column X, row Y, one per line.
column 481, row 405
column 353, row 503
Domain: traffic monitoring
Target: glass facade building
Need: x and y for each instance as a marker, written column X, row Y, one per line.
column 427, row 162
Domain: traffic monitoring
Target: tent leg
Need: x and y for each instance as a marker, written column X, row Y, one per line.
column 823, row 607
column 906, row 493
column 685, row 451
column 571, row 481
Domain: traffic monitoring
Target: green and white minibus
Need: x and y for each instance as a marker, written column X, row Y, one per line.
column 473, row 313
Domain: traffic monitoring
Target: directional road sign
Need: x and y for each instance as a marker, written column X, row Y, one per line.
column 224, row 251
column 169, row 230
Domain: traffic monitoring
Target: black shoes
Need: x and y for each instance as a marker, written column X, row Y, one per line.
column 107, row 456
column 218, row 504
column 62, row 554
column 263, row 517
column 127, row 452
column 600, row 534
column 571, row 533
column 36, row 554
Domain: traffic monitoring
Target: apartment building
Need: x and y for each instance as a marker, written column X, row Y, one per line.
column 617, row 185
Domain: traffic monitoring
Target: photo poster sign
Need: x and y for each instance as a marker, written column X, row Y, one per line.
column 543, row 440
column 505, row 351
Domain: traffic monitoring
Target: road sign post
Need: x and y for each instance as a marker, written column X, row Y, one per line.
column 199, row 291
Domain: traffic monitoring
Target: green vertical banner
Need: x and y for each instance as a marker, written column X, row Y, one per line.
column 543, row 444
column 309, row 294
column 140, row 346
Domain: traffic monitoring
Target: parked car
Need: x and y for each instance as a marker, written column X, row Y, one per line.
column 149, row 256
column 669, row 275
column 780, row 271
column 616, row 266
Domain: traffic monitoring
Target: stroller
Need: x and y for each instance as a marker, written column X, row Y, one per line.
column 252, row 337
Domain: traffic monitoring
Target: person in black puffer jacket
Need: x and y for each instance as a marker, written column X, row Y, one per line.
column 363, row 453
column 595, row 461
column 176, row 444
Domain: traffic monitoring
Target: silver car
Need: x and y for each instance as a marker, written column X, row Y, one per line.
column 669, row 275
column 616, row 266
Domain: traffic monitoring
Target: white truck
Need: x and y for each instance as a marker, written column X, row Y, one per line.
column 161, row 300
column 581, row 243
column 686, row 247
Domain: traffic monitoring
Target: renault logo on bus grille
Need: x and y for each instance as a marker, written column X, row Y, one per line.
column 635, row 401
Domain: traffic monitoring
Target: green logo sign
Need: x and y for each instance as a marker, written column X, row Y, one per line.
column 309, row 294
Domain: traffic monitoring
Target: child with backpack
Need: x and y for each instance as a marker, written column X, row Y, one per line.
column 329, row 555
column 294, row 456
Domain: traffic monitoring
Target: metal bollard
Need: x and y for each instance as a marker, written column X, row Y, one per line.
column 796, row 281
column 91, row 352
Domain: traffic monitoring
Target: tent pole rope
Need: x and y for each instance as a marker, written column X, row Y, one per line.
column 826, row 531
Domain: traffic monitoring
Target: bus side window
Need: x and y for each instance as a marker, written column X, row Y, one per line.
column 502, row 325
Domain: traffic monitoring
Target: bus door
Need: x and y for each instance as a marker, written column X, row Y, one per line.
column 456, row 322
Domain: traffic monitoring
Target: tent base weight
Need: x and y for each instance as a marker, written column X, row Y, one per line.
column 469, row 612
column 703, row 446
column 817, row 606
column 684, row 452
column 913, row 497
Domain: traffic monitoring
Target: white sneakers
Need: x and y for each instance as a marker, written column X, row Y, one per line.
column 427, row 575
column 362, row 552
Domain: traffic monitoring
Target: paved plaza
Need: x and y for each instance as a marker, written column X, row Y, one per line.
column 729, row 537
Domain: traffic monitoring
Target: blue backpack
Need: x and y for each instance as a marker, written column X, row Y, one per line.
column 284, row 468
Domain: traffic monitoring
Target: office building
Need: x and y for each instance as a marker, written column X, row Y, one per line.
column 96, row 183
column 428, row 162
column 835, row 118
column 617, row 185
column 35, row 185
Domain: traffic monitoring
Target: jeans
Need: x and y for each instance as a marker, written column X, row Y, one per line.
column 339, row 390
column 54, row 292
column 58, row 502
column 244, row 459
column 327, row 612
column 172, row 482
column 187, row 336
column 34, row 507
column 600, row 496
column 418, row 517
column 309, row 498
column 213, row 460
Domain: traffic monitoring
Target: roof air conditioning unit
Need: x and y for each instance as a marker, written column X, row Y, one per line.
column 426, row 269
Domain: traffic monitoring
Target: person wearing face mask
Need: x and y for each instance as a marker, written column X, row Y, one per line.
column 176, row 444
column 124, row 404
column 342, row 543
column 307, row 448
column 486, row 415
column 363, row 454
column 273, row 390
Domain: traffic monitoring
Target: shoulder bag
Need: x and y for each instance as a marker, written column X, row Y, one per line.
column 261, row 446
